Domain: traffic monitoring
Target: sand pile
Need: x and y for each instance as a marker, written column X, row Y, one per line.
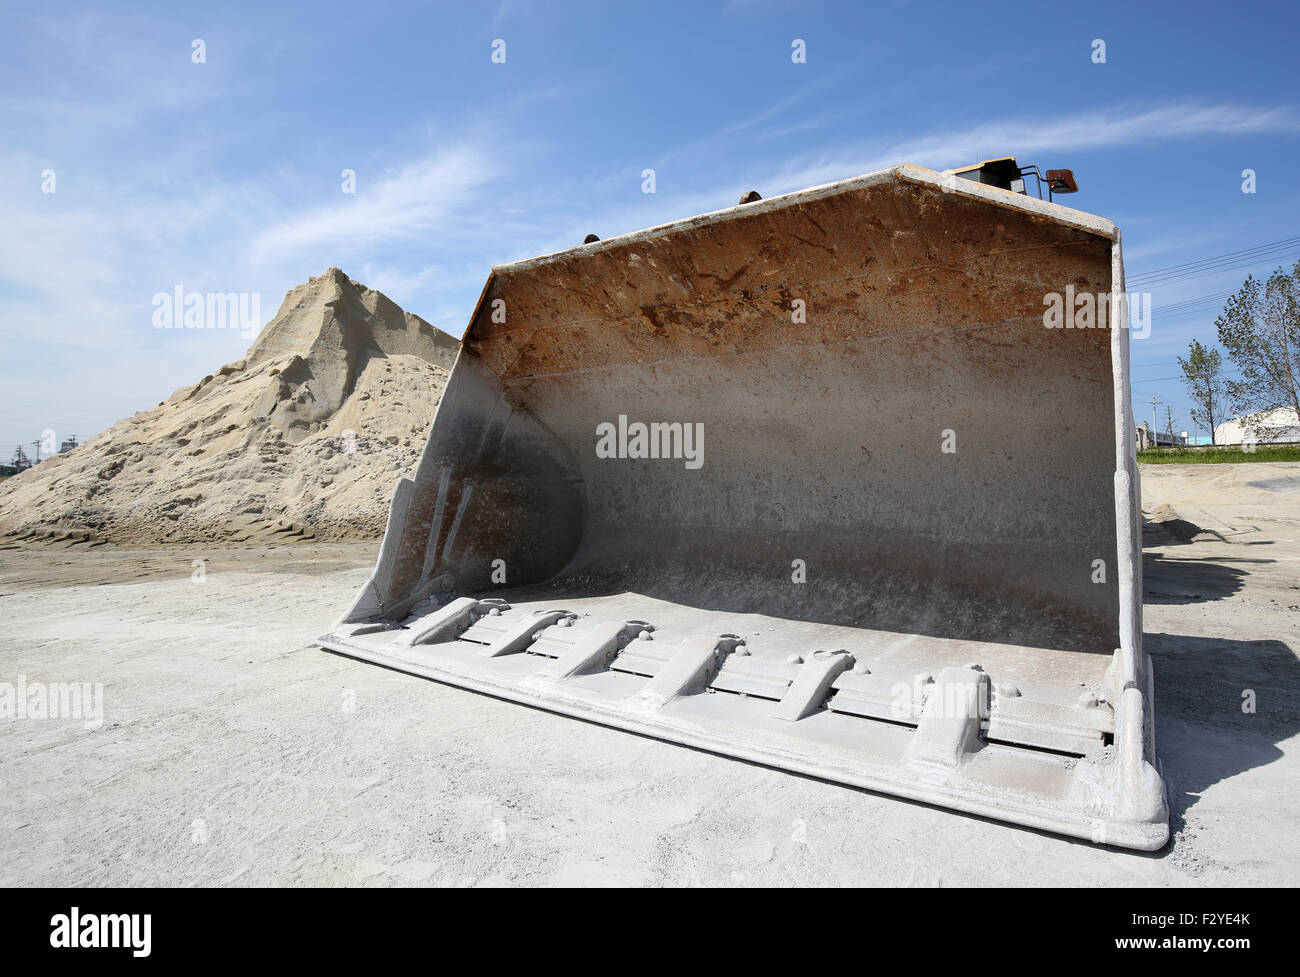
column 304, row 437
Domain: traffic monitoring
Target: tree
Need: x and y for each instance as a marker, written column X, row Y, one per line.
column 1203, row 375
column 1260, row 329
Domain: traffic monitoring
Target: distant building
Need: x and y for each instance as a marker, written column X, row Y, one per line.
column 1277, row 426
column 1146, row 438
column 69, row 444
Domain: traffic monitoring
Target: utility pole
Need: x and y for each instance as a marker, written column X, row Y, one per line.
column 37, row 445
column 1155, row 422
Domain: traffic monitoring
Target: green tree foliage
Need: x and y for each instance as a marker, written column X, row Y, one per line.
column 1203, row 376
column 1260, row 330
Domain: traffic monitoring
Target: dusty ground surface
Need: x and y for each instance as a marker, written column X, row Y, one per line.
column 231, row 752
column 305, row 436
column 66, row 564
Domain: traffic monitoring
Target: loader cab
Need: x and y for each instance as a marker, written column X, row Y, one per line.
column 1006, row 174
column 1003, row 173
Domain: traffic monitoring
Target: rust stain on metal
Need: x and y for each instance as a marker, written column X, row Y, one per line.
column 950, row 267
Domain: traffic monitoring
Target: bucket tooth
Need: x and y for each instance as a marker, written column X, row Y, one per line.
column 690, row 670
column 522, row 633
column 950, row 720
column 451, row 620
column 595, row 649
column 812, row 684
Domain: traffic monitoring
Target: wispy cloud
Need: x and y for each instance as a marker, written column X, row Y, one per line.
column 1105, row 128
column 410, row 203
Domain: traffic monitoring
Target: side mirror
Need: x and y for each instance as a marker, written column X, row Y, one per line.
column 1061, row 181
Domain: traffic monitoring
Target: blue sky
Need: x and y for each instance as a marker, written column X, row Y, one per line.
column 226, row 175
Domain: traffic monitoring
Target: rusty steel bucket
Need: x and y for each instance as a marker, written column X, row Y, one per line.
column 807, row 482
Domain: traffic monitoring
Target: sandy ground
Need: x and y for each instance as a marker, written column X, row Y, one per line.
column 232, row 752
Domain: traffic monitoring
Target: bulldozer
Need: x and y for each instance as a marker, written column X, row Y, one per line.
column 806, row 482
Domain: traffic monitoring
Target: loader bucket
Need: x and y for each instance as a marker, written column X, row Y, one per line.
column 807, row 482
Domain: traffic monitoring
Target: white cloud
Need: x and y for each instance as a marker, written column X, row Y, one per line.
column 1100, row 129
column 413, row 202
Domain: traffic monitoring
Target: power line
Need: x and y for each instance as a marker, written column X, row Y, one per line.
column 1202, row 267
column 1286, row 242
column 1232, row 257
column 1147, row 381
column 1212, row 298
column 1222, row 369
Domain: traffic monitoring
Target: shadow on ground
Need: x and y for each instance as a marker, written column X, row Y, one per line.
column 1183, row 580
column 1223, row 707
